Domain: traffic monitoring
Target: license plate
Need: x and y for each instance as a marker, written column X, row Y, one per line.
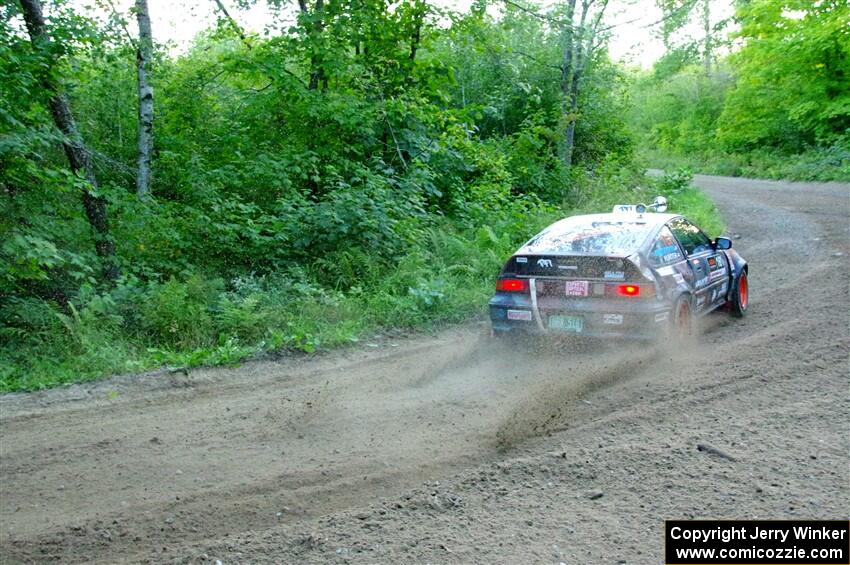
column 578, row 288
column 566, row 323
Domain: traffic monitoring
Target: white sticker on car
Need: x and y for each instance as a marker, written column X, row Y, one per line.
column 524, row 315
column 615, row 319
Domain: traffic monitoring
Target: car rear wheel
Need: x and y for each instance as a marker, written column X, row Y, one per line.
column 682, row 323
column 740, row 302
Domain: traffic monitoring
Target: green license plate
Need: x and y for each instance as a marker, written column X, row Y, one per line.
column 566, row 323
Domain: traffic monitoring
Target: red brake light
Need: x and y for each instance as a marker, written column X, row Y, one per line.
column 628, row 290
column 512, row 285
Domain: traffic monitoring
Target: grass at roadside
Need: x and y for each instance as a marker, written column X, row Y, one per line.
column 823, row 164
column 445, row 277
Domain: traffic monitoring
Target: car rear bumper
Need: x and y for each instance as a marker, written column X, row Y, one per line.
column 600, row 318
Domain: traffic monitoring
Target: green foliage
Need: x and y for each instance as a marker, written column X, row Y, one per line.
column 777, row 107
column 692, row 202
column 680, row 113
column 675, row 182
column 793, row 86
column 178, row 313
column 818, row 164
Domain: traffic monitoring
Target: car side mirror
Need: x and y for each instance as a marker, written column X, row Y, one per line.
column 723, row 243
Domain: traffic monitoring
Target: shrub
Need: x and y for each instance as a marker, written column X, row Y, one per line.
column 178, row 314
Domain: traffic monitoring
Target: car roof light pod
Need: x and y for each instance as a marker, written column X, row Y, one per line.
column 658, row 205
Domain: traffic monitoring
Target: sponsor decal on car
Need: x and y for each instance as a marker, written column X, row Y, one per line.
column 577, row 288
column 522, row 259
column 617, row 275
column 615, row 319
column 524, row 315
column 701, row 282
column 544, row 263
column 624, row 209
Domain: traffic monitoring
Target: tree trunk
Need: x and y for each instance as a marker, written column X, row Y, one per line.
column 314, row 31
column 570, row 136
column 78, row 156
column 416, row 36
column 144, row 55
column 570, row 75
column 567, row 76
column 706, row 22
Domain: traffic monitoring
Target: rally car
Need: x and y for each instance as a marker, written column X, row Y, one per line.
column 634, row 273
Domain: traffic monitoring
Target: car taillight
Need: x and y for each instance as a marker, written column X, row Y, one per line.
column 512, row 285
column 628, row 290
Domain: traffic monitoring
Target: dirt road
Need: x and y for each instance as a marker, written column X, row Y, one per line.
column 449, row 449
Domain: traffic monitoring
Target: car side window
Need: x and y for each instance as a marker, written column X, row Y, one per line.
column 665, row 250
column 690, row 237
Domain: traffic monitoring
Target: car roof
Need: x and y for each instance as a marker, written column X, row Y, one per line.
column 649, row 218
column 652, row 220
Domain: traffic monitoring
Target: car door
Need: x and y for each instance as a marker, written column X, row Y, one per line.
column 669, row 264
column 708, row 266
column 718, row 275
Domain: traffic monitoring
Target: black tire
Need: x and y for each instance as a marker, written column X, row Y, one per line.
column 739, row 303
column 682, row 324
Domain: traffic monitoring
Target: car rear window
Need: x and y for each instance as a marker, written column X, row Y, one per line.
column 582, row 236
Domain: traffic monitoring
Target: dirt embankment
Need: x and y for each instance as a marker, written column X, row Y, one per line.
column 449, row 449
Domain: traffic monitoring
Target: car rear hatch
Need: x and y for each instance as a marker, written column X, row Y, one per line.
column 585, row 267
column 585, row 294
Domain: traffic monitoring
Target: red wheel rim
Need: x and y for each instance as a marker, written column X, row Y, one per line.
column 743, row 292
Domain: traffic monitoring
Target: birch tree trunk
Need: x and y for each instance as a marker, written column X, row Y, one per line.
column 579, row 46
column 567, row 78
column 144, row 55
column 78, row 155
column 570, row 89
column 706, row 22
